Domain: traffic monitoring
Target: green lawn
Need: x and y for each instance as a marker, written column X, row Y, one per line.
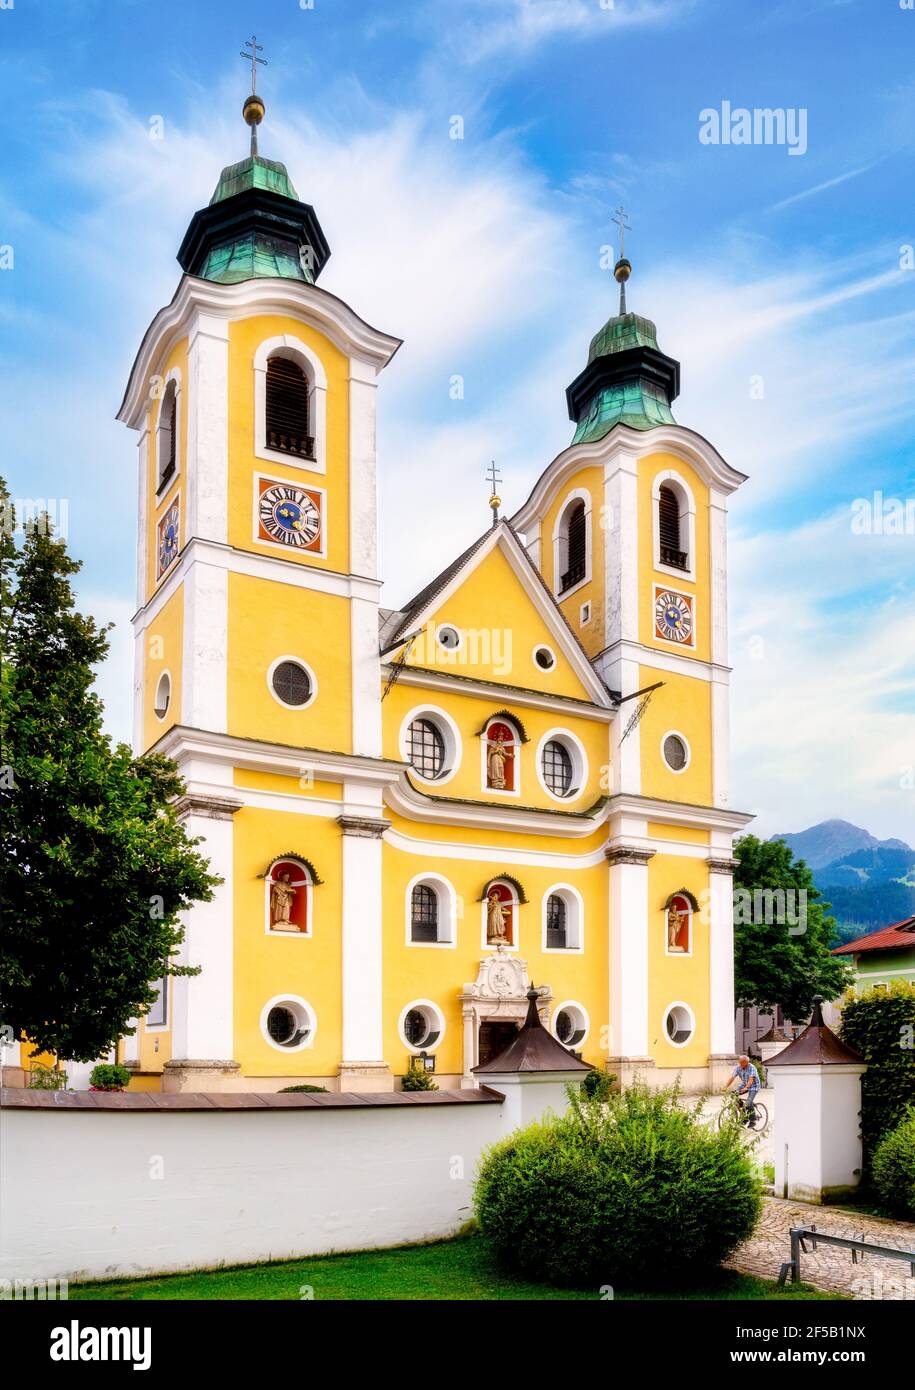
column 454, row 1269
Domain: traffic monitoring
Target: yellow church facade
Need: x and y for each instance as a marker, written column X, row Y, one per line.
column 519, row 776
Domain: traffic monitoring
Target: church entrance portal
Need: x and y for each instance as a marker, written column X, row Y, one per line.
column 495, row 1035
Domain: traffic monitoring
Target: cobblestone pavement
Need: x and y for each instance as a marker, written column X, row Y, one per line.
column 831, row 1268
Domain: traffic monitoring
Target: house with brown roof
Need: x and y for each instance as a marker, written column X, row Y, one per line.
column 883, row 956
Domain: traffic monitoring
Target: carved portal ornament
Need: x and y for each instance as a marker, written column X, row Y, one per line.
column 498, row 993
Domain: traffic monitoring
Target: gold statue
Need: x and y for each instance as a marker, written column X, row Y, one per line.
column 282, row 897
column 674, row 926
column 495, row 919
column 495, row 762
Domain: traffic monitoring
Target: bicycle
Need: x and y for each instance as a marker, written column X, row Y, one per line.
column 735, row 1111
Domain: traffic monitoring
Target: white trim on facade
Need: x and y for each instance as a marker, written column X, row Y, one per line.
column 451, row 737
column 675, row 733
column 312, row 682
column 575, row 919
column 678, row 1004
column 560, row 543
column 441, row 1021
column 573, row 1007
column 579, row 760
column 687, row 509
column 301, row 1010
column 447, row 911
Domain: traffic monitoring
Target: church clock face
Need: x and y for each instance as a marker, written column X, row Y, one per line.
column 167, row 538
column 290, row 516
column 673, row 617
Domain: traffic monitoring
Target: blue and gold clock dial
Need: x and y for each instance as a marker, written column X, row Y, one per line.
column 167, row 537
column 290, row 516
column 673, row 616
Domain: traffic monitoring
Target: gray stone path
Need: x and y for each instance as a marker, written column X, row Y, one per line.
column 873, row 1278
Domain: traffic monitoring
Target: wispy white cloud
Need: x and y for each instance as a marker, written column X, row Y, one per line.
column 499, row 27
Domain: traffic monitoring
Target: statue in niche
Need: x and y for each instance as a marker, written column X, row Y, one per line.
column 497, row 757
column 282, row 898
column 676, row 924
column 495, row 919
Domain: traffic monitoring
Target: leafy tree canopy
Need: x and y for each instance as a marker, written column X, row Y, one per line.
column 782, row 933
column 95, row 867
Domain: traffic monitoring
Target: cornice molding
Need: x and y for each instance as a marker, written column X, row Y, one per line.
column 183, row 744
column 210, row 807
column 363, row 827
column 317, row 307
column 628, row 854
column 426, row 679
column 626, row 444
column 722, row 866
column 406, row 801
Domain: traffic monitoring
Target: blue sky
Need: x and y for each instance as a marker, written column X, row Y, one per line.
column 484, row 255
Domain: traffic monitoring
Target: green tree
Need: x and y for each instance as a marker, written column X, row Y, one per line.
column 94, row 867
column 782, row 933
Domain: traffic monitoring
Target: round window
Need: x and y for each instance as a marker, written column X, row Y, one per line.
column 544, row 658
column 291, row 684
column 287, row 1023
column 570, row 1025
column 449, row 638
column 426, row 748
column 419, row 1029
column 675, row 753
column 678, row 1024
column 163, row 696
column 556, row 765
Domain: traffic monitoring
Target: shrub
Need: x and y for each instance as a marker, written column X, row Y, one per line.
column 284, row 1090
column 109, row 1076
column 598, row 1085
column 634, row 1190
column 894, row 1168
column 42, row 1078
column 881, row 1026
column 417, row 1079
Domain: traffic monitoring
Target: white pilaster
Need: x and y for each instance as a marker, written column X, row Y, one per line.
column 721, row 958
column 142, row 511
column 202, row 1027
column 204, row 681
column 366, row 676
column 628, row 954
column 363, row 526
column 208, row 428
column 362, row 1066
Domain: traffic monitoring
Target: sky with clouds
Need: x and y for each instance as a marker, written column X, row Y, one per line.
column 784, row 282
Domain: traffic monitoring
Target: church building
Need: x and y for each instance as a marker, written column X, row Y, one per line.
column 519, row 776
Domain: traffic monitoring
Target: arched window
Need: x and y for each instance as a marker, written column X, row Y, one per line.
column 287, row 409
column 575, row 556
column 424, row 913
column 167, row 435
column 669, row 529
column 556, row 922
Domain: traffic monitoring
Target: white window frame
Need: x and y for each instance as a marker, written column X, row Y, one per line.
column 678, row 1004
column 584, row 1017
column 575, row 748
column 687, row 506
column 439, row 1018
column 294, row 350
column 484, row 746
column 309, row 916
column 297, row 661
column 173, row 376
column 452, row 739
column 675, row 733
column 585, row 613
column 516, row 912
column 544, row 670
column 447, row 912
column 561, row 543
column 575, row 920
column 298, row 1005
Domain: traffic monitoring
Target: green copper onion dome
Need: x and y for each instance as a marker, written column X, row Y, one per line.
column 254, row 226
column 628, row 380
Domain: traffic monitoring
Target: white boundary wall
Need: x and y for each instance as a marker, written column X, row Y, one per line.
column 95, row 1193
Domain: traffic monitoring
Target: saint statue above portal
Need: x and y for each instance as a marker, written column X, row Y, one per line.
column 495, row 919
column 282, row 897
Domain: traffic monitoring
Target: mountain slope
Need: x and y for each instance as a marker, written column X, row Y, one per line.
column 868, row 882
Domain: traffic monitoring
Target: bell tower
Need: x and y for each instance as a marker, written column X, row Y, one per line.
column 256, row 632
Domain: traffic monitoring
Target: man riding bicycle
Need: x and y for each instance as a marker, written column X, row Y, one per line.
column 747, row 1078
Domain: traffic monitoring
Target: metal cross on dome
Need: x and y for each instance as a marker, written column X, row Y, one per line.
column 624, row 226
column 253, row 59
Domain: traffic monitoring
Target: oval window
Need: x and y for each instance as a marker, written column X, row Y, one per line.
column 426, row 748
column 163, row 696
column 675, row 753
column 556, row 765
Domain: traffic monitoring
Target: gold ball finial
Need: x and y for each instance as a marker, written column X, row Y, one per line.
column 253, row 110
column 495, row 501
column 622, row 270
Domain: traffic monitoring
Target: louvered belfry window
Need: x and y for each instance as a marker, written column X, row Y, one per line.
column 669, row 529
column 168, row 435
column 287, row 409
column 576, row 533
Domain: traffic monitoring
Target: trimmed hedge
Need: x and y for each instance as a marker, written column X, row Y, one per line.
column 109, row 1076
column 634, row 1190
column 881, row 1026
column 285, row 1090
column 417, row 1079
column 894, row 1168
